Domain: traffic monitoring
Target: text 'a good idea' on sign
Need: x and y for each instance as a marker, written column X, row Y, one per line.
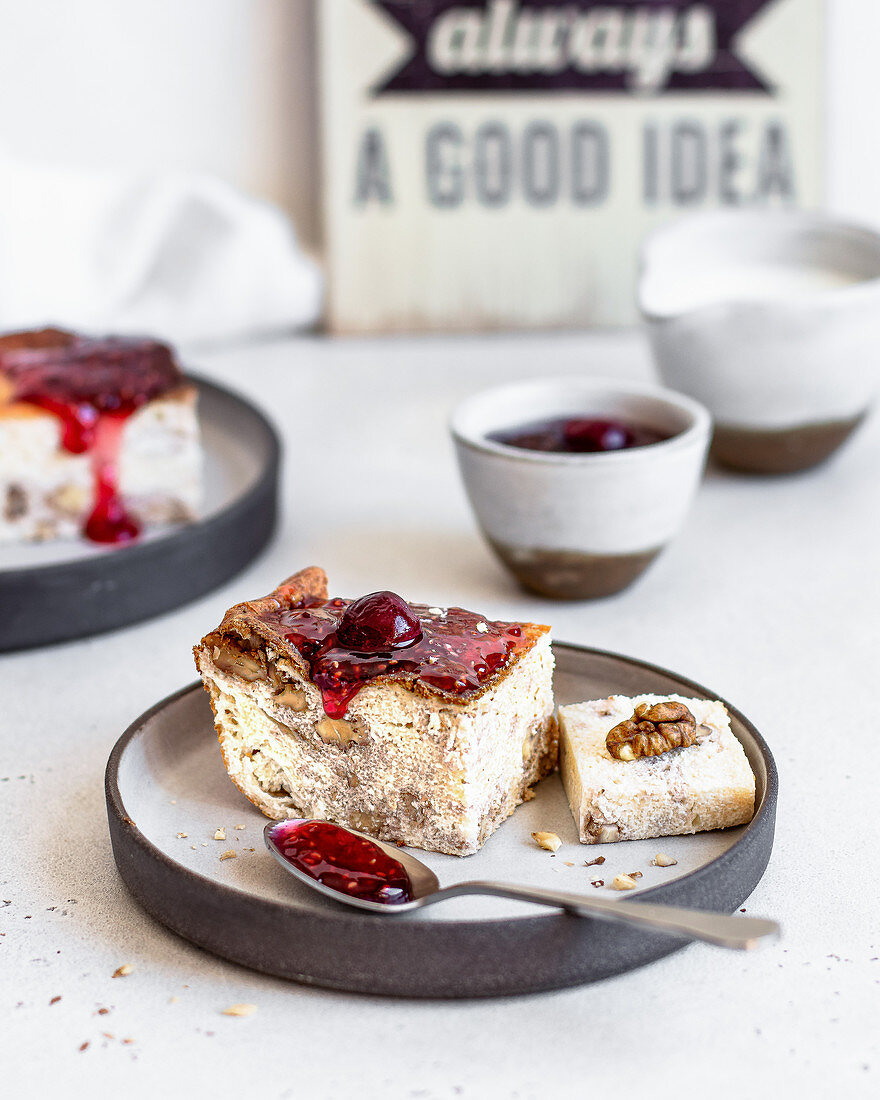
column 496, row 164
column 683, row 162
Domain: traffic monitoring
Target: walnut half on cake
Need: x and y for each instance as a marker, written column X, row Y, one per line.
column 415, row 724
column 652, row 765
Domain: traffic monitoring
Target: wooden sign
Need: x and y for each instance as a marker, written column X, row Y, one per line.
column 495, row 164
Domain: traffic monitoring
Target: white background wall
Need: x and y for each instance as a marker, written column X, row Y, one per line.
column 228, row 86
column 220, row 85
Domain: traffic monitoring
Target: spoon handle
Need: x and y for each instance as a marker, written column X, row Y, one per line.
column 718, row 928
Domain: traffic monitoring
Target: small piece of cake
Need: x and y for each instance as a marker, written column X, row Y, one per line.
column 421, row 725
column 653, row 765
column 98, row 436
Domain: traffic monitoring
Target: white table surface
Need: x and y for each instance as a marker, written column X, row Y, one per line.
column 770, row 596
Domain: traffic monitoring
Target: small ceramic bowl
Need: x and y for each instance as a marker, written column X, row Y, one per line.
column 772, row 320
column 578, row 526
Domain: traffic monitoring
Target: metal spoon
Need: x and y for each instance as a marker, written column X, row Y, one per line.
column 724, row 931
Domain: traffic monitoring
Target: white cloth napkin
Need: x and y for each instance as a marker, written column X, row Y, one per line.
column 181, row 256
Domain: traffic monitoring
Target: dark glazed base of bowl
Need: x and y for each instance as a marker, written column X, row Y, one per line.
column 569, row 575
column 781, row 450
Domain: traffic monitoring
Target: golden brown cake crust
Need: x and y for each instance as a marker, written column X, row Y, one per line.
column 244, row 621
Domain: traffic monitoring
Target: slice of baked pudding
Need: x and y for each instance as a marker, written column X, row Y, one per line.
column 415, row 724
column 652, row 765
column 98, row 436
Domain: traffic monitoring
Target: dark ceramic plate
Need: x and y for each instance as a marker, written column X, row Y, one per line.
column 168, row 793
column 52, row 592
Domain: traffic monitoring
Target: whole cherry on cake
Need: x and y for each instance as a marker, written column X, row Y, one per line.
column 378, row 621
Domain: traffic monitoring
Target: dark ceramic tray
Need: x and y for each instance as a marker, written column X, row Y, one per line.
column 165, row 778
column 53, row 592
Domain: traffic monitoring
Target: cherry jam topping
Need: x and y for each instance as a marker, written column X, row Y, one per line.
column 349, row 864
column 579, row 435
column 92, row 386
column 348, row 643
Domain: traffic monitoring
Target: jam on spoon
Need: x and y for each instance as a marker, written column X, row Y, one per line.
column 364, row 874
column 342, row 861
column 578, row 435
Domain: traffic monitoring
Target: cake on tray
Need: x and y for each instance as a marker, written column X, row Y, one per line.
column 652, row 765
column 98, row 436
column 420, row 725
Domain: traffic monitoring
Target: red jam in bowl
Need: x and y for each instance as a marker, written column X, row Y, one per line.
column 579, row 435
column 92, row 386
column 349, row 864
column 347, row 643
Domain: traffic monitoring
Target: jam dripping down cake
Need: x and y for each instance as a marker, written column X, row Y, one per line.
column 98, row 436
column 421, row 725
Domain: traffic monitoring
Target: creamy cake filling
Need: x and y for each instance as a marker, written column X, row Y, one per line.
column 432, row 739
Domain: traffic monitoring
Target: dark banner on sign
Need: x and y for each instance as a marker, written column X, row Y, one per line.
column 633, row 46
